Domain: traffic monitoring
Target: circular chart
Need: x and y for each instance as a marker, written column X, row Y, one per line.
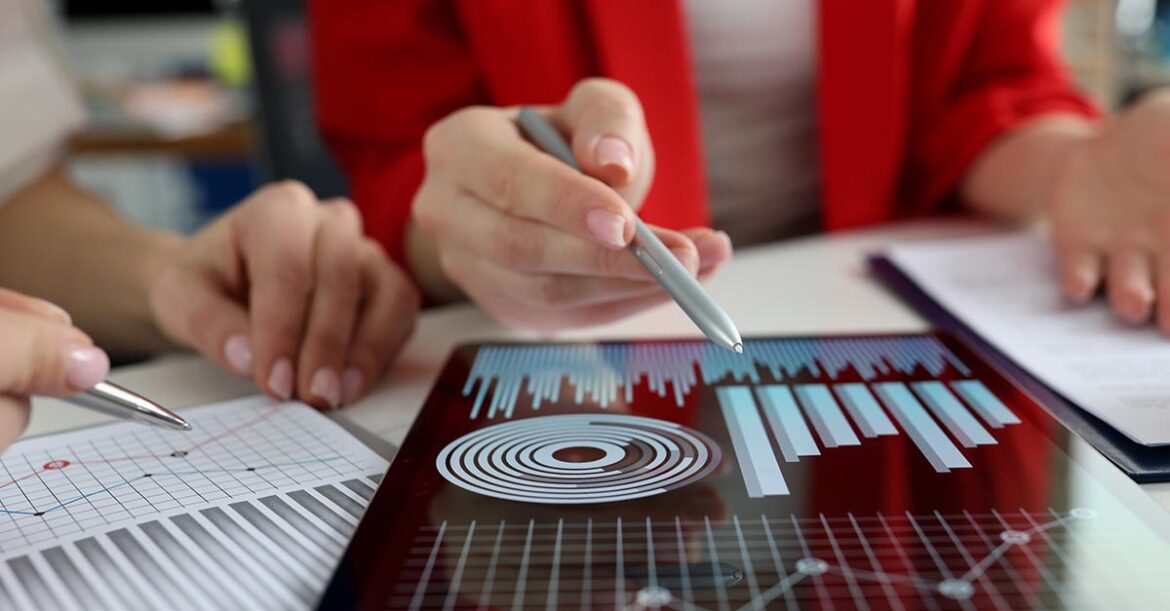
column 578, row 458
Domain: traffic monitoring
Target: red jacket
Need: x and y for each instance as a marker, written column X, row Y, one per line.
column 910, row 91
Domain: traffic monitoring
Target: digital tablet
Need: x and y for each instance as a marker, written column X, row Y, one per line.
column 871, row 472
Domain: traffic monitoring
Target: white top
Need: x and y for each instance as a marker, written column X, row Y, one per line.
column 755, row 65
column 38, row 106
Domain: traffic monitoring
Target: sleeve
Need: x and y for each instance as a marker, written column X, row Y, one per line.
column 1012, row 72
column 384, row 72
column 38, row 106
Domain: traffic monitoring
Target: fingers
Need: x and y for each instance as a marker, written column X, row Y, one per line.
column 335, row 300
column 527, row 246
column 20, row 302
column 385, row 323
column 42, row 356
column 1080, row 272
column 610, row 139
column 277, row 232
column 714, row 248
column 195, row 309
column 481, row 151
column 1130, row 288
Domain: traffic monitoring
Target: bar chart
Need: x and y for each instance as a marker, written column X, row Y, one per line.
column 504, row 377
column 798, row 415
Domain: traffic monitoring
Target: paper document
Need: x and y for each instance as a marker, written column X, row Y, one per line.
column 249, row 510
column 1007, row 289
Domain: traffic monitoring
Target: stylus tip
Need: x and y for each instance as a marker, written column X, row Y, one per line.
column 737, row 348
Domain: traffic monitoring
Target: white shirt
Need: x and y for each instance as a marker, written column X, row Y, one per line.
column 38, row 105
column 755, row 67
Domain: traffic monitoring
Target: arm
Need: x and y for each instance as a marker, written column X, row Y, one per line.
column 65, row 245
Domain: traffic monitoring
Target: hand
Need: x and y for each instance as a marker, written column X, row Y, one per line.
column 44, row 354
column 1111, row 214
column 286, row 290
column 534, row 242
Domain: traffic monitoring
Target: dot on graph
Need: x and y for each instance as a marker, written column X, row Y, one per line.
column 956, row 589
column 178, row 453
column 55, row 464
column 1083, row 513
column 654, row 597
column 1015, row 536
column 811, row 566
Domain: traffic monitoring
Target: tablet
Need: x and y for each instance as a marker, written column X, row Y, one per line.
column 872, row 472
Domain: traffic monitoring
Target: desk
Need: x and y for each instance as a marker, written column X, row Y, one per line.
column 816, row 285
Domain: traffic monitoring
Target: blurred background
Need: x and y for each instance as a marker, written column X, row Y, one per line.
column 194, row 102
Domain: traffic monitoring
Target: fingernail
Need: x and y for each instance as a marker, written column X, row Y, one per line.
column 613, row 151
column 280, row 381
column 86, row 366
column 238, row 352
column 351, row 385
column 327, row 386
column 607, row 227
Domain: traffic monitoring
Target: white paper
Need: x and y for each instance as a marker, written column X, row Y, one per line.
column 250, row 509
column 1007, row 289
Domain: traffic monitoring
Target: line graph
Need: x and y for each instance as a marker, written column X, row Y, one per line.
column 993, row 560
column 65, row 486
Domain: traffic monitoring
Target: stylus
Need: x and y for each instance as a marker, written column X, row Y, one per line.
column 111, row 399
column 694, row 300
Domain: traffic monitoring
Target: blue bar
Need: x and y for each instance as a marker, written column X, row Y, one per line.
column 826, row 416
column 757, row 461
column 988, row 405
column 866, row 412
column 788, row 425
column 930, row 439
column 953, row 414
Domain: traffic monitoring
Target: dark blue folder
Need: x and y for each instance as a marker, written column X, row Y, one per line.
column 1142, row 463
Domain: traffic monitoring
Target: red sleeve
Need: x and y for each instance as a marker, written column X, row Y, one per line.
column 1010, row 71
column 384, row 72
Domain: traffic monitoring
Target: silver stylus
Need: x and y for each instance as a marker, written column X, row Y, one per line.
column 698, row 304
column 111, row 399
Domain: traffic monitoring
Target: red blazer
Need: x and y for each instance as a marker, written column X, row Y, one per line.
column 910, row 91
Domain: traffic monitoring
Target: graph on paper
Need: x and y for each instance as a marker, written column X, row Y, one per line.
column 259, row 489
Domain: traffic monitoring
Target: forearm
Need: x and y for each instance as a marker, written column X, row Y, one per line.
column 65, row 245
column 1014, row 177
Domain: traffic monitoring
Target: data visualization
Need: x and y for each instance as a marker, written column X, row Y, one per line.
column 873, row 472
column 250, row 509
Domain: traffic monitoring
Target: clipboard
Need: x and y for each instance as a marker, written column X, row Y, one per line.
column 1142, row 463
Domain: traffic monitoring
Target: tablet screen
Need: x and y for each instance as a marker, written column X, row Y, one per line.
column 880, row 472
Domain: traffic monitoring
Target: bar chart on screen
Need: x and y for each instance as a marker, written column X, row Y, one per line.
column 113, row 516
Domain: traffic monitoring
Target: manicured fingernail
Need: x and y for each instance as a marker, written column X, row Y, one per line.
column 280, row 381
column 327, row 386
column 613, row 151
column 351, row 385
column 238, row 352
column 86, row 366
column 607, row 227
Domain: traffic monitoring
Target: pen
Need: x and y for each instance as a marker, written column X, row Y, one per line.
column 111, row 399
column 684, row 288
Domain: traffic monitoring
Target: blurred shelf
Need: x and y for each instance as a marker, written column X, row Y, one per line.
column 235, row 140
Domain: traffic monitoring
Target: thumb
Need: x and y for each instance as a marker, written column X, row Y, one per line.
column 610, row 139
column 46, row 357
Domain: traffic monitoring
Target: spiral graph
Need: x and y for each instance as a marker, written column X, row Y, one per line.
column 539, row 460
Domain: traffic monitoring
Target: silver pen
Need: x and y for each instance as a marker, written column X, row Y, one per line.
column 113, row 400
column 694, row 300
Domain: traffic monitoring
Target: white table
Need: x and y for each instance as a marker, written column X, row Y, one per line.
column 810, row 286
